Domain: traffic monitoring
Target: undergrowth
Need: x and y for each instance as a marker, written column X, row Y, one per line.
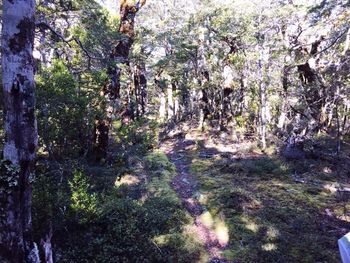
column 93, row 223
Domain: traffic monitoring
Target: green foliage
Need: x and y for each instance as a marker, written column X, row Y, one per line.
column 123, row 232
column 266, row 167
column 107, row 226
column 157, row 161
column 136, row 138
column 9, row 175
column 83, row 203
column 131, row 228
column 63, row 112
column 51, row 200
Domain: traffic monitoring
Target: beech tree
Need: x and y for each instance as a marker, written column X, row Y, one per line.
column 20, row 132
column 111, row 90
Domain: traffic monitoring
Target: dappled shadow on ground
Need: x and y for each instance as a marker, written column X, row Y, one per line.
column 186, row 187
column 274, row 210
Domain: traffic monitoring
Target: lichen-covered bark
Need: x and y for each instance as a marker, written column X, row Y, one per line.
column 20, row 132
column 111, row 90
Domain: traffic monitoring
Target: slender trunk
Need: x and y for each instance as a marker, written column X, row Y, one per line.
column 47, row 247
column 347, row 43
column 338, row 129
column 137, row 88
column 162, row 106
column 170, row 101
column 142, row 87
column 131, row 93
column 203, row 108
column 263, row 115
column 345, row 118
column 16, row 244
column 262, row 93
column 284, row 107
column 176, row 102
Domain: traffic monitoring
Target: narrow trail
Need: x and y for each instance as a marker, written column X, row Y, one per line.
column 185, row 185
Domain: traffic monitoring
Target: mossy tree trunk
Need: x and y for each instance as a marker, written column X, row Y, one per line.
column 111, row 89
column 16, row 244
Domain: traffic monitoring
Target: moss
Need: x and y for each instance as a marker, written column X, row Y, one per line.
column 271, row 217
column 158, row 161
column 187, row 248
column 199, row 165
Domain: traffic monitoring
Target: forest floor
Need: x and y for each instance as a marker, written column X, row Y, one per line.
column 186, row 186
column 250, row 206
column 221, row 199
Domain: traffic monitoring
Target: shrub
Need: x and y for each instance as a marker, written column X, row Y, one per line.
column 83, row 204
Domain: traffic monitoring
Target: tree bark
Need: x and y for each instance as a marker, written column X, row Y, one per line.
column 111, row 89
column 140, row 82
column 170, row 101
column 16, row 244
column 176, row 101
column 264, row 57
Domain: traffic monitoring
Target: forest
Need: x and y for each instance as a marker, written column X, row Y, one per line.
column 174, row 131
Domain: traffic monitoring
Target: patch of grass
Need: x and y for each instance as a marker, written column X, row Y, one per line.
column 265, row 166
column 271, row 216
column 181, row 248
column 200, row 165
column 156, row 161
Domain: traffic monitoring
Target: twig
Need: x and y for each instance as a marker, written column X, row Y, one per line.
column 155, row 244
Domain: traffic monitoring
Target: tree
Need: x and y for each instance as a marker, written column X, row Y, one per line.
column 20, row 132
column 111, row 90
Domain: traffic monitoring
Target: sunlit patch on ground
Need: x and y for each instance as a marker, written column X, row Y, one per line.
column 127, row 180
column 207, row 219
column 269, row 247
column 272, row 233
column 332, row 188
column 222, row 233
column 250, row 224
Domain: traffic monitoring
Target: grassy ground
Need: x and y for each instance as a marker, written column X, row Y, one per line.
column 276, row 211
column 266, row 209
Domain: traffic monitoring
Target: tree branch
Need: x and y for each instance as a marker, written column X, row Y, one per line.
column 333, row 42
column 68, row 40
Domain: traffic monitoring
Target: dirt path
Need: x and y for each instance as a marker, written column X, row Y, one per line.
column 185, row 185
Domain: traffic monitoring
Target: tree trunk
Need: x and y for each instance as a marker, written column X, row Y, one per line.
column 111, row 90
column 140, row 83
column 203, row 108
column 284, row 107
column 170, row 101
column 176, row 101
column 262, row 94
column 16, row 244
column 162, row 106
